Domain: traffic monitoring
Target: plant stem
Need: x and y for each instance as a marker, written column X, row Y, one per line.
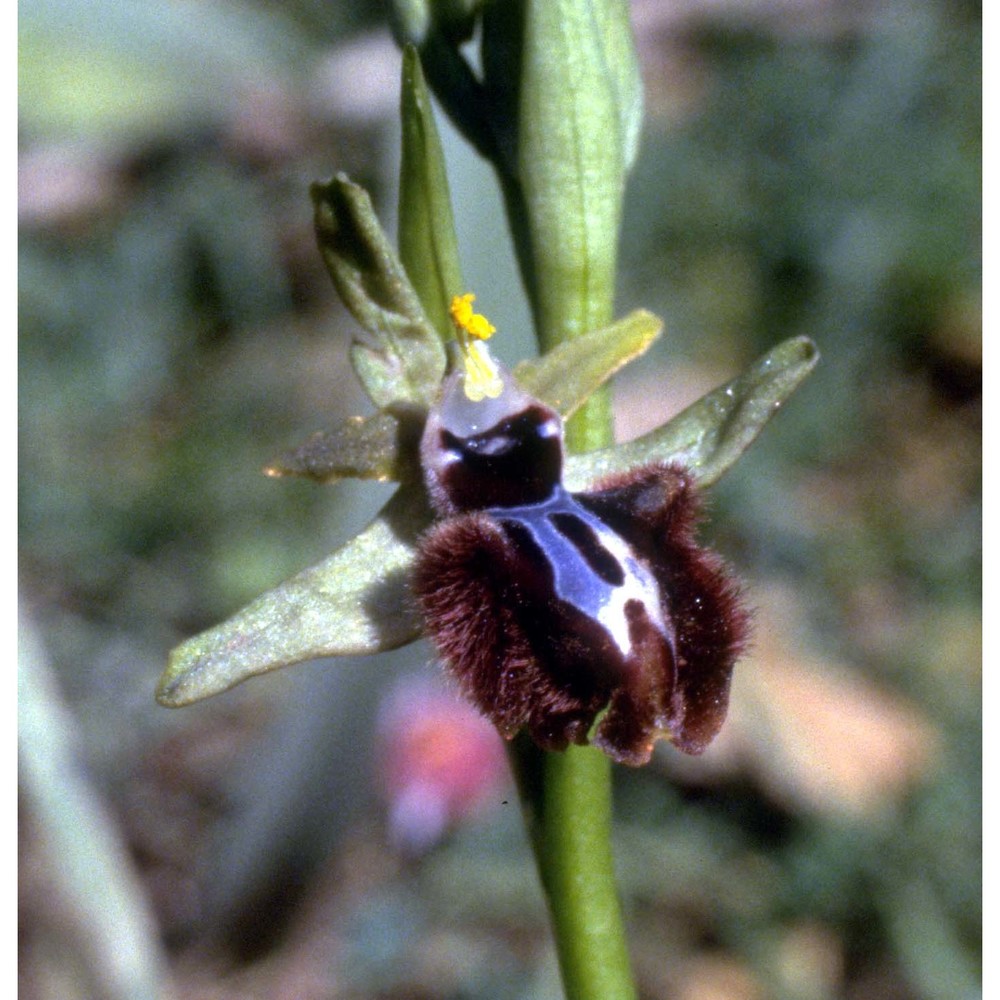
column 567, row 799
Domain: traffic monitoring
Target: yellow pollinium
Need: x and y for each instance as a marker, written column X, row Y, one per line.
column 482, row 378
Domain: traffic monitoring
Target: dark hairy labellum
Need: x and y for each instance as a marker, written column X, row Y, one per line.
column 550, row 608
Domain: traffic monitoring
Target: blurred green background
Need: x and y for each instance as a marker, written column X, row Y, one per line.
column 808, row 167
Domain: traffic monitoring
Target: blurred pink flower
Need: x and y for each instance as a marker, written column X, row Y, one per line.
column 439, row 762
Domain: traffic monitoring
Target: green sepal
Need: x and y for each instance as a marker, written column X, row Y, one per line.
column 354, row 603
column 568, row 374
column 383, row 446
column 405, row 362
column 428, row 247
column 711, row 434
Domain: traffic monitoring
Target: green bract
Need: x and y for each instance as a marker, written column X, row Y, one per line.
column 558, row 111
column 577, row 131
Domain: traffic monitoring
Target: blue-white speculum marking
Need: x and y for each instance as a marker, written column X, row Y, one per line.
column 594, row 570
column 551, row 607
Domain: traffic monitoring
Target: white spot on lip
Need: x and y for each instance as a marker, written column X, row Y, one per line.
column 639, row 585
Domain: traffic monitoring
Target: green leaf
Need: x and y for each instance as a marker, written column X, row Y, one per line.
column 354, row 602
column 383, row 446
column 406, row 361
column 711, row 434
column 428, row 246
column 118, row 948
column 567, row 375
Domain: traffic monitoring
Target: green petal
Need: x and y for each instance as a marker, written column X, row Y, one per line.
column 567, row 375
column 405, row 362
column 354, row 602
column 428, row 246
column 710, row 435
column 383, row 447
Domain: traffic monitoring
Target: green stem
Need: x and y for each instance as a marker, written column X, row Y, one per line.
column 567, row 800
column 590, row 427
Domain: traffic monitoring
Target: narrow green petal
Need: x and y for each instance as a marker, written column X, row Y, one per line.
column 383, row 446
column 428, row 246
column 355, row 602
column 711, row 434
column 405, row 361
column 567, row 375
